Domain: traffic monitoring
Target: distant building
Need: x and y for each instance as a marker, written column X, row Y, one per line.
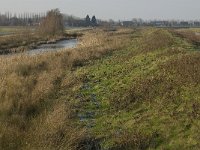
column 184, row 24
column 127, row 23
column 197, row 24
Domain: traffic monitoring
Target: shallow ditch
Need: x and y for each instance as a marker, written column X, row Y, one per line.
column 42, row 48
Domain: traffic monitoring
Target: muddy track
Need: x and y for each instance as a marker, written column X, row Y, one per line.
column 87, row 115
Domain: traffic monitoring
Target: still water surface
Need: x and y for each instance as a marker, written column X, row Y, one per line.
column 54, row 47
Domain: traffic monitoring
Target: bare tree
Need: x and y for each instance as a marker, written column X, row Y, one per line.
column 52, row 24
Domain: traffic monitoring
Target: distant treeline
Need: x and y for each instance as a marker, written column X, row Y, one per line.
column 161, row 23
column 27, row 19
column 34, row 19
column 73, row 21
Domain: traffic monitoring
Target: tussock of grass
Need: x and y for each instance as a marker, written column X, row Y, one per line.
column 136, row 140
column 157, row 39
column 186, row 68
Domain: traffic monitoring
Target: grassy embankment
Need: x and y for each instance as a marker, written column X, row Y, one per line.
column 130, row 89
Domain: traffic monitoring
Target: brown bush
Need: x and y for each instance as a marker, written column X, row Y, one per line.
column 53, row 24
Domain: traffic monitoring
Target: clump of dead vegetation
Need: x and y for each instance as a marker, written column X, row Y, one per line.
column 156, row 39
column 137, row 140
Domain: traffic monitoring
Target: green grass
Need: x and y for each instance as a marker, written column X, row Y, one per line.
column 143, row 101
column 11, row 29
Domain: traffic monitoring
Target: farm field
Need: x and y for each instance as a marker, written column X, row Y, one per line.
column 6, row 30
column 117, row 90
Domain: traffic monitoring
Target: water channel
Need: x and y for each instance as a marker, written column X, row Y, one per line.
column 54, row 46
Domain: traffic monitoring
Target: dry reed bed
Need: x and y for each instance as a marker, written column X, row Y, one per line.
column 157, row 39
column 33, row 112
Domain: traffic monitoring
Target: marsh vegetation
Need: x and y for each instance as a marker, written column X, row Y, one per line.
column 124, row 89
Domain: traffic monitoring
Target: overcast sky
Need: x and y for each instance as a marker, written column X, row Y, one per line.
column 111, row 9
